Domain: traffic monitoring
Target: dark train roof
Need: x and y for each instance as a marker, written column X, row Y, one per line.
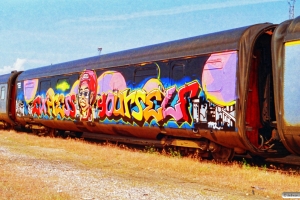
column 4, row 78
column 292, row 33
column 204, row 44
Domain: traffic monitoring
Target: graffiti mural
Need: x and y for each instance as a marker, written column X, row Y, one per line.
column 206, row 102
column 216, row 107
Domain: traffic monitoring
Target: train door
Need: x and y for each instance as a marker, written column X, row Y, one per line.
column 12, row 106
column 260, row 104
column 252, row 117
column 12, row 92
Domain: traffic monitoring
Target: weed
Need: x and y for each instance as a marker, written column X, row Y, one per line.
column 245, row 164
column 264, row 167
column 150, row 149
column 174, row 153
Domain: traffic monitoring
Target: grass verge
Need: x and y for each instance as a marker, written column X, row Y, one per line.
column 236, row 180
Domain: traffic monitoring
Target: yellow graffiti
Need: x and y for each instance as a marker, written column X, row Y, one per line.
column 217, row 99
column 50, row 102
column 297, row 42
column 59, row 105
column 119, row 98
column 63, row 86
column 150, row 110
column 140, row 95
column 128, row 99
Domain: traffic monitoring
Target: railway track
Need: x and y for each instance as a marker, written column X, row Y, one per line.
column 286, row 165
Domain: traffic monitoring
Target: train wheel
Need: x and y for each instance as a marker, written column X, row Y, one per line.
column 224, row 154
column 62, row 133
column 78, row 134
column 35, row 132
column 52, row 132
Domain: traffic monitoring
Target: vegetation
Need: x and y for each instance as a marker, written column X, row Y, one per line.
column 236, row 180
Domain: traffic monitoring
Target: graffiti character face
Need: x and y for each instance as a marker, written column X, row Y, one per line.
column 84, row 96
column 87, row 94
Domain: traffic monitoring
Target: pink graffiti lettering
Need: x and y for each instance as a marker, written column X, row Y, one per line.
column 175, row 112
column 70, row 109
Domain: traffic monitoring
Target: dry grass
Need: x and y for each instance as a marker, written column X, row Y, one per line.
column 235, row 180
column 19, row 186
column 16, row 187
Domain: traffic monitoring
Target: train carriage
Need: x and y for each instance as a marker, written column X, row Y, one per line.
column 7, row 98
column 213, row 93
column 285, row 54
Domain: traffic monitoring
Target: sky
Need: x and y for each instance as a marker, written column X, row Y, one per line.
column 36, row 33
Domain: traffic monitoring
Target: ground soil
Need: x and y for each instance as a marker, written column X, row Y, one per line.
column 81, row 183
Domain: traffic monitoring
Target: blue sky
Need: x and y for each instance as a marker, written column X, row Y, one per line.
column 36, row 33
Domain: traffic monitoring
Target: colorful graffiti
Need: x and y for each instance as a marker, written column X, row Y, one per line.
column 131, row 106
column 140, row 106
column 209, row 104
column 218, row 77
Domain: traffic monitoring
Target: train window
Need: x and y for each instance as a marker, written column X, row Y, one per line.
column 2, row 93
column 214, row 68
column 44, row 86
column 145, row 72
column 178, row 72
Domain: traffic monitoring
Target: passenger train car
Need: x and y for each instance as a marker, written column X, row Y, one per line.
column 228, row 92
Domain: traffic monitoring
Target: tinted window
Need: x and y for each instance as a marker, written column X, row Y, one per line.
column 2, row 93
column 44, row 86
column 178, row 72
column 145, row 72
